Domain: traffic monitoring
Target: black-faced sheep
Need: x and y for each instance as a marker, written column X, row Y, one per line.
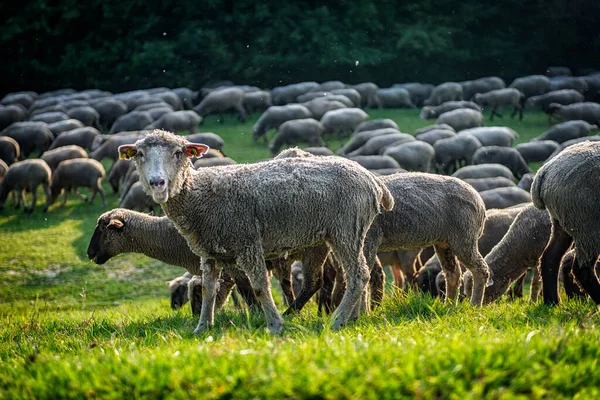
column 499, row 98
column 28, row 174
column 274, row 116
column 76, row 173
column 462, row 118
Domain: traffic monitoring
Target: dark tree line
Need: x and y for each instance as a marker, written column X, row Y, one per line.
column 122, row 45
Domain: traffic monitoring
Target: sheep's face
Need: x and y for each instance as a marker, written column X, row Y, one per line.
column 106, row 239
column 179, row 292
column 426, row 113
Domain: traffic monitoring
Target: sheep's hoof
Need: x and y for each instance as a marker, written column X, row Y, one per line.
column 202, row 327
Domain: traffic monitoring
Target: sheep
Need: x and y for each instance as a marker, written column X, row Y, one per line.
column 462, row 118
column 54, row 157
column 531, row 85
column 319, row 151
column 213, row 162
column 132, row 121
column 10, row 114
column 177, row 121
column 297, row 130
column 377, row 144
column 82, row 137
column 186, row 95
column 454, row 150
column 24, row 98
column 86, row 114
column 273, row 202
column 481, row 85
column 507, row 156
column 449, row 91
column 287, row 94
column 210, row 139
column 504, row 197
column 30, row 136
column 376, row 162
column 9, row 150
column 403, row 264
column 526, row 181
column 257, row 101
column 351, row 94
column 431, row 112
column 329, row 86
column 117, row 173
column 537, row 151
column 419, row 92
column 483, row 184
column 360, row 138
column 108, row 149
column 571, row 142
column 587, row 111
column 483, row 171
column 567, row 186
column 342, row 121
column 412, row 155
column 75, row 173
column 22, row 175
column 49, row 117
column 565, row 97
column 375, row 124
column 327, row 96
column 368, row 94
column 432, row 136
column 131, row 177
column 137, row 199
column 319, row 106
column 578, row 84
column 492, row 135
column 110, row 110
column 62, row 126
column 502, row 97
column 427, row 215
column 395, row 98
column 428, row 128
column 223, row 100
column 558, row 71
column 274, row 116
column 3, row 169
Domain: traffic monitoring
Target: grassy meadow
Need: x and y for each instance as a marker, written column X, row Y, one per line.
column 73, row 329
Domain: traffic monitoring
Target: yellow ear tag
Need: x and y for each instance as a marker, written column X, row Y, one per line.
column 194, row 152
column 131, row 153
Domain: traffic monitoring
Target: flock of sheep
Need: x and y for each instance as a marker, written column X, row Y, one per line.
column 323, row 223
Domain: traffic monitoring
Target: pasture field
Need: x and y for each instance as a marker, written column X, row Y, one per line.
column 73, row 329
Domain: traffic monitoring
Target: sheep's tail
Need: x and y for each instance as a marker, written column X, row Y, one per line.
column 536, row 189
column 387, row 200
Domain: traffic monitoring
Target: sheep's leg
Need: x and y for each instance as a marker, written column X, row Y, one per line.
column 451, row 270
column 408, row 263
column 572, row 289
column 516, row 291
column 99, row 189
column 243, row 285
column 48, row 193
column 377, row 284
column 325, row 296
column 495, row 111
column 312, row 270
column 398, row 275
column 241, row 113
column 282, row 270
column 20, row 198
column 468, row 253
column 226, row 285
column 253, row 263
column 339, row 287
column 66, row 193
column 210, row 276
column 30, row 209
column 550, row 262
column 536, row 285
column 83, row 196
column 585, row 274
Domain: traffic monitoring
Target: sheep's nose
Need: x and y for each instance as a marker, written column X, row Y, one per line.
column 157, row 182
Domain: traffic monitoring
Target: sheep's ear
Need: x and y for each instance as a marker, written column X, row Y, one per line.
column 115, row 224
column 196, row 149
column 127, row 151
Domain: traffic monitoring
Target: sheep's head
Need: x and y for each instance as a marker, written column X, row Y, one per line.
column 179, row 291
column 478, row 98
column 107, row 240
column 162, row 159
column 427, row 113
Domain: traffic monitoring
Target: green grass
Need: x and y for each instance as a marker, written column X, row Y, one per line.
column 72, row 329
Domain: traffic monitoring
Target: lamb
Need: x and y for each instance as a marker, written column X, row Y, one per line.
column 431, row 112
column 342, row 121
column 376, row 162
column 419, row 92
column 86, row 114
column 117, row 173
column 537, row 151
column 82, row 137
column 492, row 135
column 257, row 101
column 30, row 136
column 415, row 223
column 462, row 118
column 375, row 124
column 54, row 157
column 223, row 100
column 481, row 85
column 10, row 114
column 567, row 186
column 449, row 91
column 75, row 173
column 531, row 85
column 319, row 106
column 499, row 98
column 273, row 202
column 22, row 175
column 177, row 121
column 9, row 150
column 395, row 98
column 274, row 116
column 483, row 184
column 368, row 94
column 360, row 138
column 454, row 150
column 483, row 171
column 298, row 130
column 62, row 126
column 587, row 111
column 567, row 131
column 504, row 197
column 413, row 155
column 507, row 156
column 377, row 144
column 432, row 136
column 49, row 117
column 136, row 199
column 564, row 97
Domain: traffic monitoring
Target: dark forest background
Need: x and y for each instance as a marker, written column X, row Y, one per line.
column 125, row 45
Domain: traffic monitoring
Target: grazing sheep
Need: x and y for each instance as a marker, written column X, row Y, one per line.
column 483, row 184
column 210, row 139
column 319, row 151
column 526, row 181
column 10, row 114
column 3, row 169
column 507, row 156
column 359, row 139
column 295, row 131
column 49, row 117
column 282, row 95
column 412, row 155
column 326, row 96
column 492, row 135
column 568, row 186
column 86, row 114
column 376, row 162
column 177, row 121
column 587, row 111
column 395, row 98
column 54, row 157
column 274, row 116
column 426, row 214
column 274, row 203
column 481, row 85
column 133, row 121
column 26, row 99
column 22, row 175
column 483, row 171
column 9, row 150
column 368, row 94
column 76, row 173
column 82, row 137
column 499, row 98
column 419, row 92
column 564, row 97
column 329, row 86
column 578, row 84
column 433, row 135
column 117, row 173
column 377, row 144
column 319, row 106
column 505, row 197
column 537, row 151
column 137, row 199
column 221, row 101
column 213, row 162
column 63, row 126
column 131, row 177
column 462, row 118
column 449, row 91
column 571, row 142
column 352, row 94
column 343, row 121
column 455, row 150
column 110, row 110
column 109, row 148
column 30, row 136
column 531, row 85
column 428, row 128
column 257, row 101
column 375, row 124
column 431, row 112
column 150, row 106
column 186, row 95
